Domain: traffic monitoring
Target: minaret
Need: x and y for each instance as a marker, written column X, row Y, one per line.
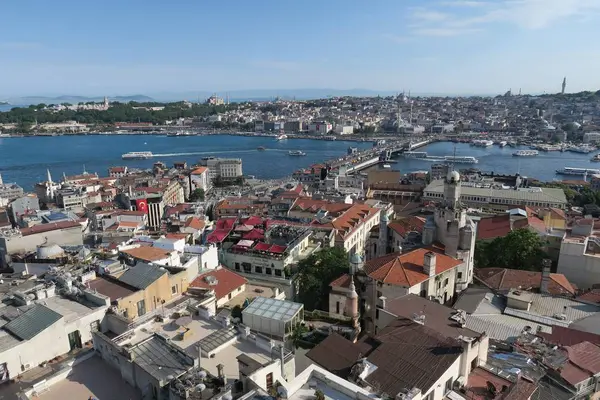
column 352, row 303
column 50, row 187
column 356, row 264
column 564, row 85
column 1, row 181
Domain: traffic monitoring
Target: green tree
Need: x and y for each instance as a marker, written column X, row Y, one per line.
column 197, row 195
column 316, row 272
column 298, row 334
column 520, row 249
column 236, row 312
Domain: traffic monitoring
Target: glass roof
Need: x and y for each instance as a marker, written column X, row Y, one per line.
column 273, row 309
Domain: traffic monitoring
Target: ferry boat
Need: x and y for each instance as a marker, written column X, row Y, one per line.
column 582, row 149
column 261, row 148
column 461, row 159
column 577, row 171
column 296, row 153
column 137, row 155
column 283, row 136
column 415, row 154
column 502, row 143
column 526, row 153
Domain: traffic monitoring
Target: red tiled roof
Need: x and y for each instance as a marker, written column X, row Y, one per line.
column 584, row 362
column 117, row 169
column 199, row 171
column 562, row 336
column 217, row 236
column 309, row 204
column 593, row 296
column 405, row 225
column 225, row 223
column 493, row 227
column 343, row 281
column 261, row 246
column 147, row 253
column 194, row 223
column 506, row 279
column 227, row 282
column 407, row 269
column 49, row 227
column 277, row 249
column 176, row 236
column 252, row 221
column 254, row 234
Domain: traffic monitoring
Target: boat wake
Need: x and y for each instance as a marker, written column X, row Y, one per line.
column 198, row 153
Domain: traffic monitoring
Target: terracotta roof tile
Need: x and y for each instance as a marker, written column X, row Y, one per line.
column 405, row 225
column 227, row 282
column 199, row 170
column 407, row 269
column 49, row 227
column 493, row 227
column 506, row 279
column 195, row 223
column 343, row 281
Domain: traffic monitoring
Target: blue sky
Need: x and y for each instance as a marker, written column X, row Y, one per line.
column 428, row 46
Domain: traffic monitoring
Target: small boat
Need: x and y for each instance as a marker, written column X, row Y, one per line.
column 502, row 143
column 296, row 153
column 261, row 148
column 596, row 158
column 283, row 136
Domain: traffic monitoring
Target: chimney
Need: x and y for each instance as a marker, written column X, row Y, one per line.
column 220, row 372
column 429, row 263
column 545, row 276
column 282, row 356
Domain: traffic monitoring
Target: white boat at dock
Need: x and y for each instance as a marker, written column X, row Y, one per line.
column 137, row 155
column 502, row 143
column 526, row 153
column 577, row 171
column 482, row 143
column 283, row 136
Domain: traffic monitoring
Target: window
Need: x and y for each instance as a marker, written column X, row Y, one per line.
column 277, row 272
column 446, row 282
column 141, row 308
column 377, row 313
column 229, row 296
column 237, row 266
column 268, row 271
column 337, row 307
column 95, row 326
column 431, row 395
column 247, row 267
column 174, row 289
column 459, row 275
column 258, row 270
column 448, row 385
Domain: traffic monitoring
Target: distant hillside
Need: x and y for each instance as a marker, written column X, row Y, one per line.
column 77, row 99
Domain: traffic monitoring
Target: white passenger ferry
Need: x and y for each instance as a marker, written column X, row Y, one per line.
column 137, row 155
column 461, row 159
column 577, row 171
column 415, row 154
column 526, row 153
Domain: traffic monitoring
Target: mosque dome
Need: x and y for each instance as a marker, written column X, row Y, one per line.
column 356, row 259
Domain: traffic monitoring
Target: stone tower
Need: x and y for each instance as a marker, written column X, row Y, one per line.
column 564, row 85
column 352, row 303
column 382, row 243
column 452, row 228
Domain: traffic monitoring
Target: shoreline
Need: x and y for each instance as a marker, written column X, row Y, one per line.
column 343, row 138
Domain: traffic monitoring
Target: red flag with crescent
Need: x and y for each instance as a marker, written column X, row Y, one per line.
column 142, row 205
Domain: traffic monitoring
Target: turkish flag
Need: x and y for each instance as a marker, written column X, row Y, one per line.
column 142, row 205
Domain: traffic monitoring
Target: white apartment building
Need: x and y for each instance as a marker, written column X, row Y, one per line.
column 226, row 168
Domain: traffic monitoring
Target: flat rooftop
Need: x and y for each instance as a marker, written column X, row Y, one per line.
column 199, row 330
column 92, row 377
